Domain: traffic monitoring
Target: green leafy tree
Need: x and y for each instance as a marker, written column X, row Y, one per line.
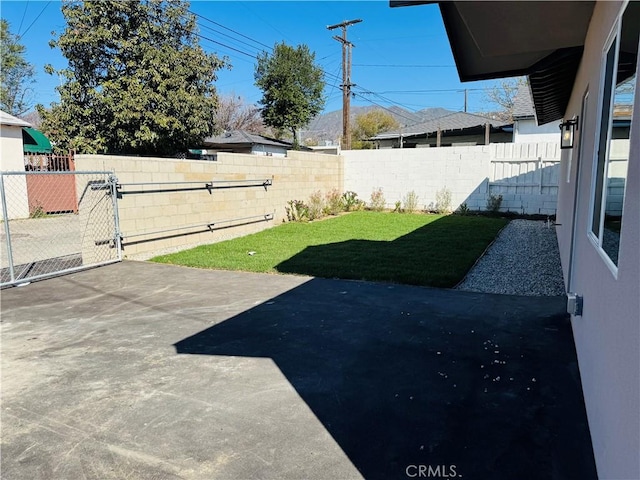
column 16, row 74
column 292, row 87
column 137, row 82
column 369, row 125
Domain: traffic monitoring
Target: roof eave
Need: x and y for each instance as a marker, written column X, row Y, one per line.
column 550, row 61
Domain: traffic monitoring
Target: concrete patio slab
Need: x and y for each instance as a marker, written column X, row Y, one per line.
column 146, row 371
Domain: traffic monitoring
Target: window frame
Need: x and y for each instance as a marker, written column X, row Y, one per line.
column 613, row 39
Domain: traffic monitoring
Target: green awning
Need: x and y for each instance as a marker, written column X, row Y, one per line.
column 34, row 141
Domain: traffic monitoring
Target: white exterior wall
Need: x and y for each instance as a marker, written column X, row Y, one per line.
column 271, row 150
column 607, row 335
column 12, row 160
column 11, row 150
column 469, row 173
column 526, row 130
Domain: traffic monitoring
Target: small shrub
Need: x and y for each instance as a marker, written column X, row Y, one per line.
column 398, row 207
column 333, row 204
column 377, row 202
column 410, row 202
column 443, row 201
column 494, row 202
column 463, row 209
column 316, row 206
column 297, row 211
column 36, row 210
column 351, row 202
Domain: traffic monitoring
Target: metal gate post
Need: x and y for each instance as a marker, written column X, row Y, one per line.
column 113, row 182
column 7, row 230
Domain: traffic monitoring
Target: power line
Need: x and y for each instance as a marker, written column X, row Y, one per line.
column 385, row 108
column 225, row 45
column 36, row 19
column 231, row 30
column 217, row 32
column 400, row 66
column 328, row 75
column 434, row 90
column 384, row 99
column 22, row 19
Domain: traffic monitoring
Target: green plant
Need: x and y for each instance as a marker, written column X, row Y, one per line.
column 377, row 202
column 297, row 211
column 443, row 201
column 316, row 205
column 398, row 207
column 334, row 203
column 463, row 209
column 351, row 202
column 410, row 202
column 494, row 202
column 36, row 210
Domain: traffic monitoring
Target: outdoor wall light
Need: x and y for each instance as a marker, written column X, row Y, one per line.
column 567, row 130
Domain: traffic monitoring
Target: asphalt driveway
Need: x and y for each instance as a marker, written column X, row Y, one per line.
column 146, row 371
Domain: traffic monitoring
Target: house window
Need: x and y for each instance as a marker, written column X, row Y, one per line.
column 612, row 157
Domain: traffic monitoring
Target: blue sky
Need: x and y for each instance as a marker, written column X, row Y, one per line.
column 401, row 55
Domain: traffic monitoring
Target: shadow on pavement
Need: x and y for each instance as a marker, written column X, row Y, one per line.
column 410, row 379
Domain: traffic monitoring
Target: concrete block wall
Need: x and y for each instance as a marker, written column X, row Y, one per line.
column 468, row 172
column 462, row 170
column 296, row 176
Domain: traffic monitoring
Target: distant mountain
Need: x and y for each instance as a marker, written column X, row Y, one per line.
column 328, row 126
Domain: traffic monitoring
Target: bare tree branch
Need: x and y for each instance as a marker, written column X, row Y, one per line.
column 234, row 114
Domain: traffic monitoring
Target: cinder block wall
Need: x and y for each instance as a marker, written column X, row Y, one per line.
column 470, row 173
column 464, row 171
column 296, row 176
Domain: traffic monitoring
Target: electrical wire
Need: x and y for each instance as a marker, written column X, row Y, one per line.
column 35, row 19
column 329, row 76
column 230, row 29
column 22, row 19
column 401, row 66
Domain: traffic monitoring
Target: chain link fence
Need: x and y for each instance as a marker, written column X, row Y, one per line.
column 55, row 223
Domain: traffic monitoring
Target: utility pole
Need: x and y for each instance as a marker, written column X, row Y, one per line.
column 465, row 100
column 346, row 80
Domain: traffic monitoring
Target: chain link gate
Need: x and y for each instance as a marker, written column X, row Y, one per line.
column 57, row 222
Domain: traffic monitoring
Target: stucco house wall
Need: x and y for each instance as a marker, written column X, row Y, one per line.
column 526, row 130
column 11, row 155
column 12, row 160
column 607, row 335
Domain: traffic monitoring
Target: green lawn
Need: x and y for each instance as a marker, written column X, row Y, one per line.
column 415, row 249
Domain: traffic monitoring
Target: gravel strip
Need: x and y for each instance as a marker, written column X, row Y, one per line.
column 523, row 260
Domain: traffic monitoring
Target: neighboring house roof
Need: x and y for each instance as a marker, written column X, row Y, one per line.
column 7, row 119
column 243, row 138
column 523, row 103
column 453, row 121
column 511, row 38
column 34, row 141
